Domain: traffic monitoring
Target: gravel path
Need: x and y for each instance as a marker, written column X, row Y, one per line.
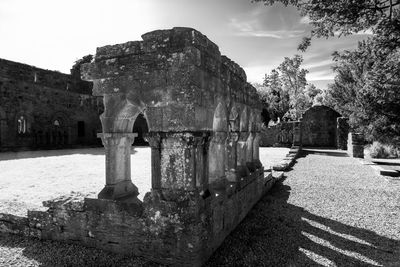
column 329, row 211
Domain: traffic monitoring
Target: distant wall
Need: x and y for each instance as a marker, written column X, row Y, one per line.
column 280, row 135
column 45, row 109
column 319, row 127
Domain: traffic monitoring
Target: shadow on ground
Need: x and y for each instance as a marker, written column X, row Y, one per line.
column 276, row 233
column 32, row 252
column 56, row 152
column 323, row 151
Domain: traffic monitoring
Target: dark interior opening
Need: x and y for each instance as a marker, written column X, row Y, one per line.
column 81, row 128
column 140, row 127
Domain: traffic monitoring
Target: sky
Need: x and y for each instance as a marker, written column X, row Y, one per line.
column 53, row 34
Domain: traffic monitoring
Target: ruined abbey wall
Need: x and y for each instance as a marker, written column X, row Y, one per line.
column 45, row 109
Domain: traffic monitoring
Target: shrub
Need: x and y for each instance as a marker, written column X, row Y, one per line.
column 383, row 151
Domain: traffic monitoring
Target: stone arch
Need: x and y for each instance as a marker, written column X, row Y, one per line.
column 234, row 118
column 217, row 149
column 244, row 123
column 23, row 121
column 220, row 121
column 119, row 114
column 60, row 127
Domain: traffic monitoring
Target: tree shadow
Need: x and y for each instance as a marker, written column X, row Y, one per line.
column 32, row 252
column 276, row 233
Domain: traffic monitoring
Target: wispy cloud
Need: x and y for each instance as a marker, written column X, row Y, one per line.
column 272, row 34
column 317, row 64
column 251, row 28
column 320, row 75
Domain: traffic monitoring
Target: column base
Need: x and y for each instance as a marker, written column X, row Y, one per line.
column 251, row 166
column 243, row 171
column 120, row 190
column 257, row 163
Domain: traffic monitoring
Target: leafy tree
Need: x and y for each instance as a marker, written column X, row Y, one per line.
column 294, row 82
column 285, row 92
column 275, row 96
column 367, row 87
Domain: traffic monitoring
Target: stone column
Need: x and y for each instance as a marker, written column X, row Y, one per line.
column 297, row 133
column 342, row 132
column 216, row 160
column 154, row 140
column 201, row 145
column 118, row 166
column 243, row 171
column 178, row 161
column 356, row 145
column 256, row 150
column 231, row 156
column 249, row 152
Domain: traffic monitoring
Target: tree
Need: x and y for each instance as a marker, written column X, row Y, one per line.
column 367, row 87
column 367, row 82
column 275, row 96
column 294, row 82
column 344, row 17
column 284, row 90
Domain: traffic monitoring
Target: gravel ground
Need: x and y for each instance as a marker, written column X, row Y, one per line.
column 31, row 177
column 329, row 211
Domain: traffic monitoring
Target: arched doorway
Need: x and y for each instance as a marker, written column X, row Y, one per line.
column 140, row 127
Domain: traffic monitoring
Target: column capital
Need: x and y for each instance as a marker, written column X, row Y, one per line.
column 115, row 139
column 154, row 139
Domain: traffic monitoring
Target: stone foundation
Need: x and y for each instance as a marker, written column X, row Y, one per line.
column 182, row 229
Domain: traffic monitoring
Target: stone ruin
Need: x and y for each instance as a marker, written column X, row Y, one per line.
column 204, row 131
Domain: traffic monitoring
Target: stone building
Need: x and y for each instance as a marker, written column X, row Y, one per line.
column 319, row 127
column 43, row 109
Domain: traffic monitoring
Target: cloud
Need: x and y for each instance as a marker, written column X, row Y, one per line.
column 318, row 64
column 320, row 75
column 273, row 34
column 305, row 20
column 274, row 22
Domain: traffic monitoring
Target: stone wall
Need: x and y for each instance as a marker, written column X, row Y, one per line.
column 355, row 145
column 45, row 109
column 280, row 135
column 204, row 130
column 319, row 127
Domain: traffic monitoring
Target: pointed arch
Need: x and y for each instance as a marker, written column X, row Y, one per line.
column 220, row 121
column 234, row 118
column 244, row 120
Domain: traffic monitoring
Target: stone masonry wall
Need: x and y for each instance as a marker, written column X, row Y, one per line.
column 280, row 135
column 45, row 109
column 319, row 127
